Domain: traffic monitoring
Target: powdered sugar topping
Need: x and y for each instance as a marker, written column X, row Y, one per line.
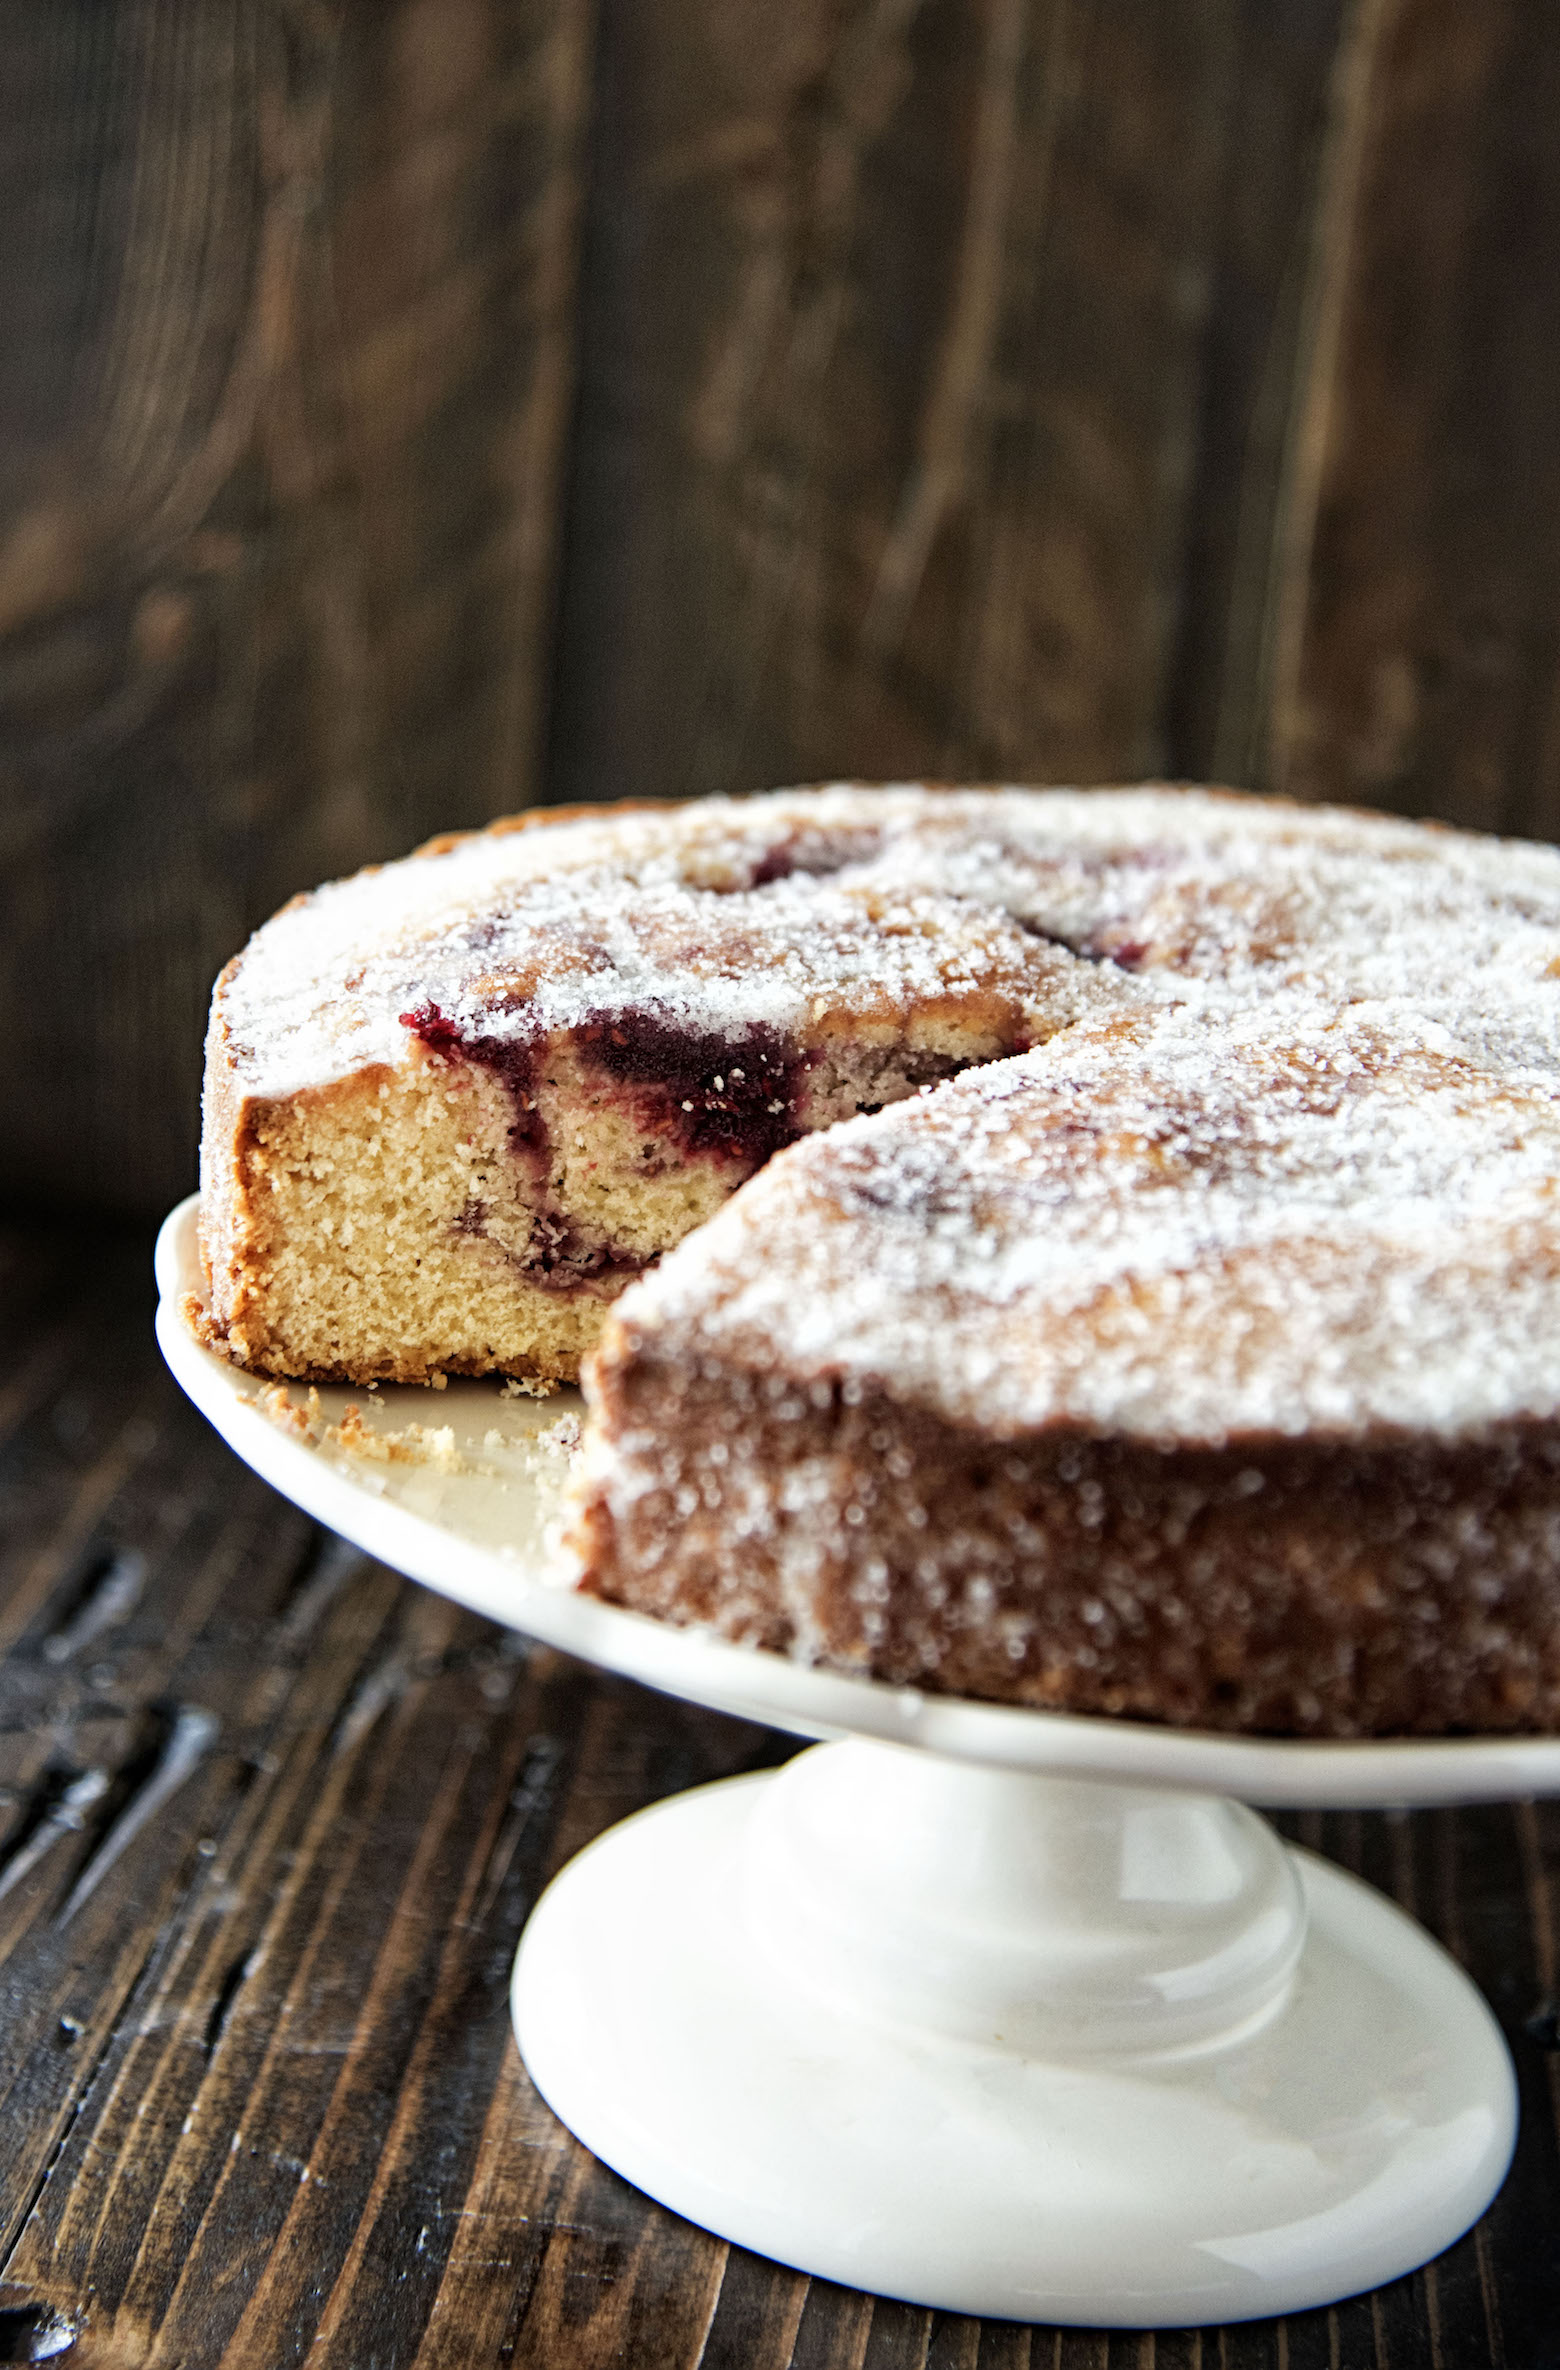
column 1290, row 1164
column 1187, row 1227
column 784, row 911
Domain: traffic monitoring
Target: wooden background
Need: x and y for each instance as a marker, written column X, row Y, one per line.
column 412, row 409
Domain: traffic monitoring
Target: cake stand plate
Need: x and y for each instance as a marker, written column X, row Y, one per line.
column 1027, row 2020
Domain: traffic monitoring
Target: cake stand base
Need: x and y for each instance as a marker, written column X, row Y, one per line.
column 1045, row 2049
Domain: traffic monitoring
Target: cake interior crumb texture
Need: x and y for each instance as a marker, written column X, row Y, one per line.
column 453, row 1106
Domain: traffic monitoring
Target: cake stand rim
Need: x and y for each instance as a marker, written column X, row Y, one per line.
column 769, row 1688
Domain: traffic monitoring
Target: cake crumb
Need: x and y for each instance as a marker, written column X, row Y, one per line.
column 275, row 1403
column 413, row 1444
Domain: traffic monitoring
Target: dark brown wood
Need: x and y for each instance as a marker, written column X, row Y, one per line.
column 891, row 354
column 287, row 294
column 1292, row 123
column 1053, row 389
column 258, row 2097
column 1426, row 664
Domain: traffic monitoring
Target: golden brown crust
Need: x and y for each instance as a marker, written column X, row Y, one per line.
column 1394, row 1587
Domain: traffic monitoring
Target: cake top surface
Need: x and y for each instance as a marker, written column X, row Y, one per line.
column 1289, row 1164
column 804, row 910
column 1295, row 1221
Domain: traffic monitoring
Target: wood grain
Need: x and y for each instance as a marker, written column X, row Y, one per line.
column 1427, row 677
column 258, row 2098
column 1053, row 389
column 890, row 369
column 294, row 286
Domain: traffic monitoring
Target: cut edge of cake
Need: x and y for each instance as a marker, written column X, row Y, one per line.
column 470, row 1205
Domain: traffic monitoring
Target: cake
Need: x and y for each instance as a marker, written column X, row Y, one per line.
column 1151, row 1313
column 1211, row 1382
column 453, row 1105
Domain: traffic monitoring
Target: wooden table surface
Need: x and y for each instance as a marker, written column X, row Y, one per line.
column 271, row 1820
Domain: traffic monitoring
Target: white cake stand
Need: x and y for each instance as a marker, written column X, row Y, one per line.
column 1030, row 2020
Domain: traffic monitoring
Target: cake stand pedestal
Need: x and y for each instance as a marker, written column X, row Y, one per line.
column 988, row 2009
column 1042, row 2048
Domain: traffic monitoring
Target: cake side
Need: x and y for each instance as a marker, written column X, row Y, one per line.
column 1197, row 1376
column 1291, row 1587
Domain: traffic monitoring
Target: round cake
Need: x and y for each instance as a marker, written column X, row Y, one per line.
column 1180, row 1343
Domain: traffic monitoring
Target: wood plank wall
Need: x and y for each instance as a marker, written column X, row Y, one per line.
column 412, row 409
